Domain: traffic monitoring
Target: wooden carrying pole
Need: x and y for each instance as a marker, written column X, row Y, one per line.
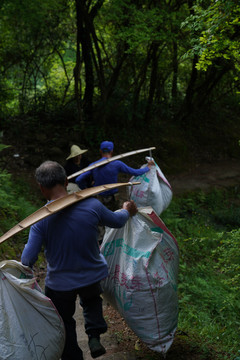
column 60, row 204
column 117, row 157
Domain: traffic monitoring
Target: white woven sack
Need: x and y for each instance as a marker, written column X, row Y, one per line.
column 142, row 284
column 31, row 328
column 154, row 190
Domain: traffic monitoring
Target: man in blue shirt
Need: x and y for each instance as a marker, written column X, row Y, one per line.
column 108, row 173
column 75, row 265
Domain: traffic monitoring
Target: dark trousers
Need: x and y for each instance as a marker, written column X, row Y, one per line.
column 91, row 302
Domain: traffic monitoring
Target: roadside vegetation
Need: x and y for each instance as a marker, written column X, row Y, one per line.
column 207, row 228
column 16, row 203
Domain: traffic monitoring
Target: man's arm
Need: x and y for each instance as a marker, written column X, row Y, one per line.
column 82, row 180
column 136, row 172
column 33, row 247
column 118, row 219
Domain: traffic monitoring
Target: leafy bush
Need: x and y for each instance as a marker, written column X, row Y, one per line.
column 227, row 257
column 13, row 209
column 209, row 277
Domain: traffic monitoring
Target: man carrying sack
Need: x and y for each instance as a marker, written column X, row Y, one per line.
column 108, row 174
column 75, row 266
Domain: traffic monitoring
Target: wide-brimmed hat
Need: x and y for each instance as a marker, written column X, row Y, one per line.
column 75, row 151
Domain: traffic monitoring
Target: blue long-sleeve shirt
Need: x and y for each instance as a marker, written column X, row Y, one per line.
column 108, row 174
column 70, row 240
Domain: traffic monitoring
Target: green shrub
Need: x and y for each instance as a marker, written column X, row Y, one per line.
column 13, row 208
column 207, row 230
column 227, row 257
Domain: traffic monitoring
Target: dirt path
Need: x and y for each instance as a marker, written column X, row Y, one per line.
column 109, row 340
column 204, row 176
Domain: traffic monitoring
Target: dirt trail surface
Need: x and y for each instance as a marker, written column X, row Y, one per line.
column 121, row 343
column 204, row 176
column 109, row 340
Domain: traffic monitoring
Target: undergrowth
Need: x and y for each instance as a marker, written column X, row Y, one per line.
column 208, row 230
column 14, row 207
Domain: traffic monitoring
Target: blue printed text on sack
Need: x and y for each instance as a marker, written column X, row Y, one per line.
column 143, row 177
column 110, row 247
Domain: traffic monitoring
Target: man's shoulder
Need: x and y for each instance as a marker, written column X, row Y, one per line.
column 116, row 163
column 97, row 161
column 89, row 202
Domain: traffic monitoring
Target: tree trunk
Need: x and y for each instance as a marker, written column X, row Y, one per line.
column 153, row 81
column 187, row 104
column 78, row 94
column 175, row 73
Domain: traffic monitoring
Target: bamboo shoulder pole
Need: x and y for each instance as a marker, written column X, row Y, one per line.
column 60, row 204
column 117, row 157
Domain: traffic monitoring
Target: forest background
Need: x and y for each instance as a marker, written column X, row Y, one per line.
column 139, row 73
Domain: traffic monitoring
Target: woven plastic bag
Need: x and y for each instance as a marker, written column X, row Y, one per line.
column 143, row 262
column 154, row 190
column 31, row 328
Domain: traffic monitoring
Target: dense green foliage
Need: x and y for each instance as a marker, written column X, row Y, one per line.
column 162, row 68
column 16, row 203
column 207, row 231
column 219, row 24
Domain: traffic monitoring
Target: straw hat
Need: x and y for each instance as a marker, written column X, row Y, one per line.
column 75, row 151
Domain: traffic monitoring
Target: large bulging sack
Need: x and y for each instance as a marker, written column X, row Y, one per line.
column 154, row 190
column 31, row 328
column 142, row 284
